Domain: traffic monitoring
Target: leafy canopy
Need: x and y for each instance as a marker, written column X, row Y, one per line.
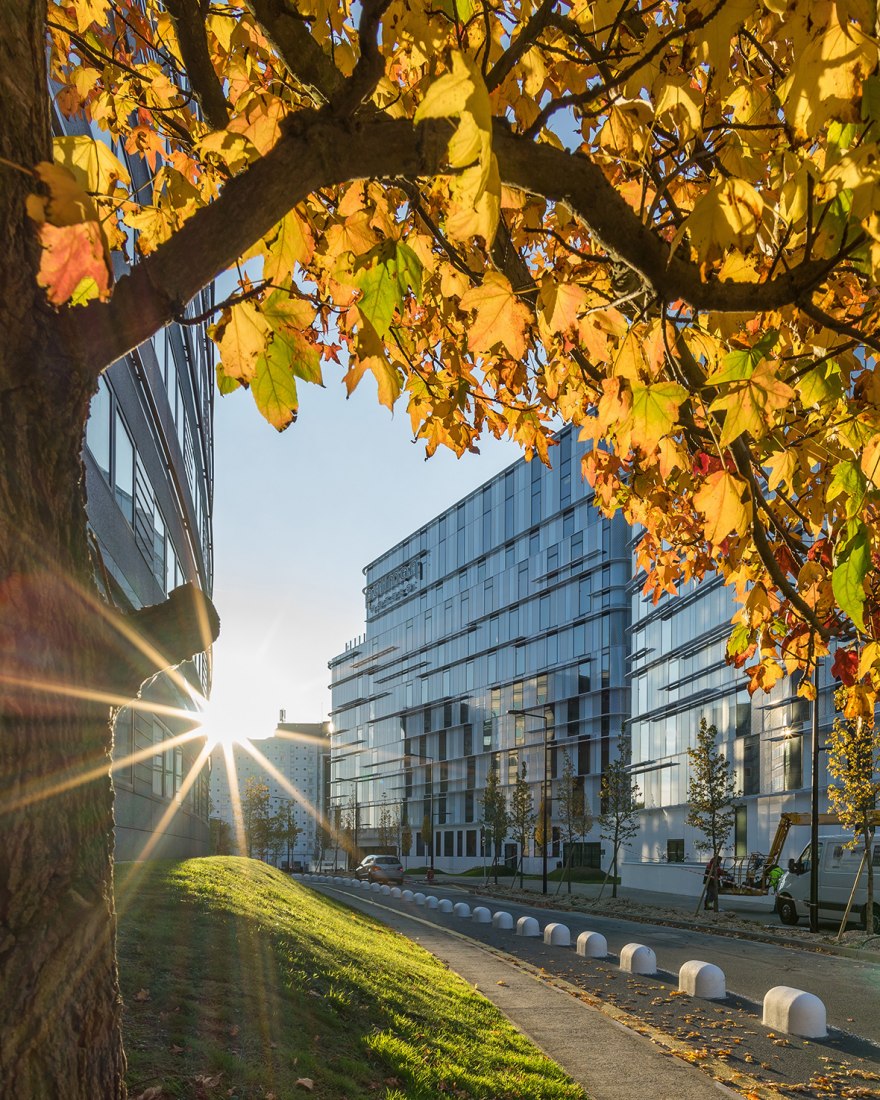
column 654, row 219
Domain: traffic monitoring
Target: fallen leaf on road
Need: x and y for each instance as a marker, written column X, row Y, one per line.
column 305, row 1083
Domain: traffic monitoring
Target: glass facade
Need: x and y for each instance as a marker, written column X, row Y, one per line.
column 516, row 598
column 679, row 674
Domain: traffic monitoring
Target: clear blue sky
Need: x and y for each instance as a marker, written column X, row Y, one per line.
column 296, row 518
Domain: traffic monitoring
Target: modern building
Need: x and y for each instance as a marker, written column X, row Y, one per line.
column 149, row 473
column 501, row 623
column 678, row 674
column 517, row 615
column 293, row 766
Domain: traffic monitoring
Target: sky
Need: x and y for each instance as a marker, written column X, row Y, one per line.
column 297, row 516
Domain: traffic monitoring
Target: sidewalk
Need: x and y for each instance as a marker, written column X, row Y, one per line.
column 608, row 1060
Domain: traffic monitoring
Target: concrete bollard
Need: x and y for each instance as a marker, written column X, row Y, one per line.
column 635, row 958
column 502, row 920
column 795, row 1012
column 396, row 891
column 557, row 935
column 481, row 914
column 444, row 906
column 461, row 909
column 407, row 895
column 431, row 902
column 528, row 926
column 592, row 945
column 376, row 887
column 386, row 890
column 702, row 979
column 419, row 898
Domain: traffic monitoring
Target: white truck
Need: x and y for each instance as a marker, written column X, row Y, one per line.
column 838, row 867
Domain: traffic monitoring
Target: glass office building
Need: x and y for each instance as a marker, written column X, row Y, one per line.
column 678, row 674
column 149, row 473
column 514, row 599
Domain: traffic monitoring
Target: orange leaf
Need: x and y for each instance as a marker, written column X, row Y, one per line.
column 720, row 501
column 72, row 265
column 501, row 318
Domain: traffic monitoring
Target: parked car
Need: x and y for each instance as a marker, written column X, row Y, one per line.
column 380, row 869
column 838, row 867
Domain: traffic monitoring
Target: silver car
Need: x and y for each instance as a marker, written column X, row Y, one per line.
column 380, row 869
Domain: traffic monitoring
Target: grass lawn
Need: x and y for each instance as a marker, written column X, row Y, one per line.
column 241, row 983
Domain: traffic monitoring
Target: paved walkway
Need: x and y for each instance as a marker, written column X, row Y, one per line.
column 608, row 1060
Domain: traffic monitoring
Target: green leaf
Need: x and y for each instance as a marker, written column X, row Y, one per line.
column 848, row 481
column 871, row 99
column 847, row 580
column 739, row 365
column 225, row 384
column 386, row 273
column 274, row 387
column 289, row 318
column 821, row 384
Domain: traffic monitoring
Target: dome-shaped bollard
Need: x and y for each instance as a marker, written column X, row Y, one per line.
column 386, row 890
column 481, row 914
column 592, row 945
column 431, row 902
column 444, row 906
column 702, row 979
column 376, row 887
column 396, row 891
column 419, row 898
column 795, row 1012
column 635, row 958
column 528, row 926
column 557, row 935
column 502, row 920
column 461, row 909
column 407, row 895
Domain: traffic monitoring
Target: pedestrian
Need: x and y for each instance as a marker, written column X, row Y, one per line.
column 710, row 877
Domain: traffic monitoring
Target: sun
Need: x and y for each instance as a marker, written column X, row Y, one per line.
column 229, row 719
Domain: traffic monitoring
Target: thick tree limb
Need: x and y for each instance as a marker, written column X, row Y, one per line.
column 158, row 637
column 320, row 150
column 523, row 42
column 189, row 22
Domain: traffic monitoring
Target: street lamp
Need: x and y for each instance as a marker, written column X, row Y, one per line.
column 542, row 714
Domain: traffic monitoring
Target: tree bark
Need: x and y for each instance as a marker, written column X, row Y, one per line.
column 60, row 1006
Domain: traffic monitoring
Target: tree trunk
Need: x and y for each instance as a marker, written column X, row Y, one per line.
column 60, row 1006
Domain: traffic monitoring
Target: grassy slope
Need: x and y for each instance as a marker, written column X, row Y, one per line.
column 228, row 967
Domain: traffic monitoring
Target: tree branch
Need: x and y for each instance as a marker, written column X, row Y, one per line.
column 303, row 56
column 523, row 42
column 189, row 22
column 370, row 67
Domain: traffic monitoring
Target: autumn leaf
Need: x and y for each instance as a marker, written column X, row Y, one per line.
column 241, row 336
column 501, row 318
column 720, row 501
column 848, row 578
column 91, row 162
column 726, row 216
column 655, row 412
column 290, row 243
column 384, row 276
column 73, row 265
column 305, row 1083
column 274, row 387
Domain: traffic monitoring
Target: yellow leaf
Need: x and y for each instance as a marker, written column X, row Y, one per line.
column 728, row 215
column 274, row 387
column 290, row 243
column 678, row 106
column 654, row 412
column 501, row 318
column 241, row 335
column 92, row 163
column 720, row 501
column 826, row 81
column 749, row 404
column 560, row 305
column 475, row 207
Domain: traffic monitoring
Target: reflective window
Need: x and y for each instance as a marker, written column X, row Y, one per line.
column 123, row 473
column 98, row 428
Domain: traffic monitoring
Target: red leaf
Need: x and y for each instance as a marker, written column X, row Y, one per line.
column 846, row 666
column 71, row 254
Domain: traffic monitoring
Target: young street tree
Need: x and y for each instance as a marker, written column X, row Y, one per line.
column 522, row 816
column 854, row 765
column 495, row 819
column 255, row 815
column 660, row 227
column 575, row 819
column 619, row 801
column 284, row 828
column 711, row 795
column 389, row 826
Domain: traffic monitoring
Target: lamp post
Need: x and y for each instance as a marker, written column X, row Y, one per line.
column 542, row 714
